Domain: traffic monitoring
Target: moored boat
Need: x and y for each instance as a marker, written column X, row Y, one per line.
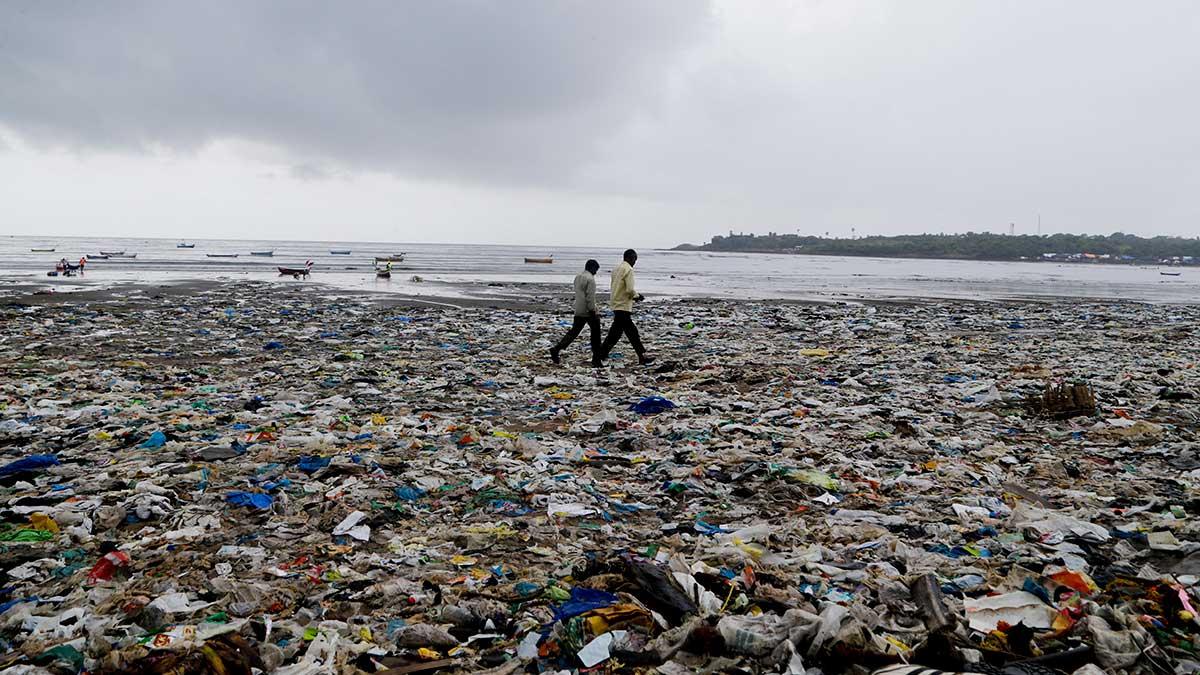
column 340, row 252
column 395, row 257
column 41, row 250
column 114, row 254
column 96, row 257
column 297, row 271
column 184, row 245
column 540, row 261
column 221, row 255
column 263, row 254
column 1170, row 274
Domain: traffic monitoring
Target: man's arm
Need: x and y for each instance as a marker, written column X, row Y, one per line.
column 633, row 294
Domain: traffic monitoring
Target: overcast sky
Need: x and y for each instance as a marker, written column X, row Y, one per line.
column 601, row 123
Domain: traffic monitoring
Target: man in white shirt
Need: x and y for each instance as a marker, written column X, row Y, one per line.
column 623, row 297
column 586, row 313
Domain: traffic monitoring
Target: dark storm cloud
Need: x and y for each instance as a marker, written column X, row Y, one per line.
column 508, row 92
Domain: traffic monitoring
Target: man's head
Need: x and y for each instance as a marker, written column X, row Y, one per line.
column 592, row 266
column 630, row 256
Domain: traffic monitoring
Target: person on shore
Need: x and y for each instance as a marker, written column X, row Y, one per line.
column 623, row 296
column 586, row 313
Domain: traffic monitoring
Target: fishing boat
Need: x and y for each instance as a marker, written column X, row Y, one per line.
column 297, row 271
column 263, row 254
column 540, row 261
column 114, row 254
column 96, row 257
column 395, row 257
column 123, row 256
column 383, row 274
column 41, row 250
column 1170, row 274
column 220, row 255
column 340, row 252
column 183, row 245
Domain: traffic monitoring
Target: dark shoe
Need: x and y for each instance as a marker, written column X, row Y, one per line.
column 644, row 360
column 597, row 363
column 554, row 355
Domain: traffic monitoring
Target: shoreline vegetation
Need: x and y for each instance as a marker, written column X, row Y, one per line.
column 1116, row 248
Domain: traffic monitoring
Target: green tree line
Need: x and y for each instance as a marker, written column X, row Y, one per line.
column 969, row 246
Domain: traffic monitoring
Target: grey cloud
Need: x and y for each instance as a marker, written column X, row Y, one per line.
column 309, row 172
column 884, row 115
column 496, row 92
column 942, row 114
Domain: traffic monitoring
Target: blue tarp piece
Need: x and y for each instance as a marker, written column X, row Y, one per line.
column 255, row 500
column 583, row 600
column 30, row 463
column 652, row 405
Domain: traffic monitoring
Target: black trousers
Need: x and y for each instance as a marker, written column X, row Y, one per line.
column 622, row 325
column 577, row 328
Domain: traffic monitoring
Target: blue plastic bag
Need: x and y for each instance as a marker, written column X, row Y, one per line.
column 409, row 494
column 30, row 463
column 583, row 600
column 310, row 464
column 156, row 440
column 652, row 405
column 255, row 500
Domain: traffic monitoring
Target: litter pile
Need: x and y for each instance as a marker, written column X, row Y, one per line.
column 249, row 480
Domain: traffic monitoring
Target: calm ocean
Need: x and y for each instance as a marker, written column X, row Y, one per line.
column 448, row 268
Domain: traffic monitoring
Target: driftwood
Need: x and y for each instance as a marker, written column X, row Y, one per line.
column 1060, row 401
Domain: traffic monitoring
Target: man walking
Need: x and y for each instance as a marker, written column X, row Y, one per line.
column 623, row 297
column 586, row 313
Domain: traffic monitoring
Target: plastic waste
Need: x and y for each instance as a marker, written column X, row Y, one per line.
column 29, row 464
column 420, row 488
column 107, row 566
column 652, row 405
column 256, row 500
column 1018, row 607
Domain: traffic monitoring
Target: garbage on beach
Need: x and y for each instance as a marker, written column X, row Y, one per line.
column 299, row 482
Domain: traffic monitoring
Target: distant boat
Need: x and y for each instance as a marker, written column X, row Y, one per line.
column 395, row 257
column 220, row 255
column 183, row 245
column 123, row 256
column 1170, row 274
column 263, row 254
column 540, row 261
column 115, row 254
column 346, row 252
column 297, row 271
column 41, row 250
column 97, row 257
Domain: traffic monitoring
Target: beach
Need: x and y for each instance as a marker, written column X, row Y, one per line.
column 295, row 476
